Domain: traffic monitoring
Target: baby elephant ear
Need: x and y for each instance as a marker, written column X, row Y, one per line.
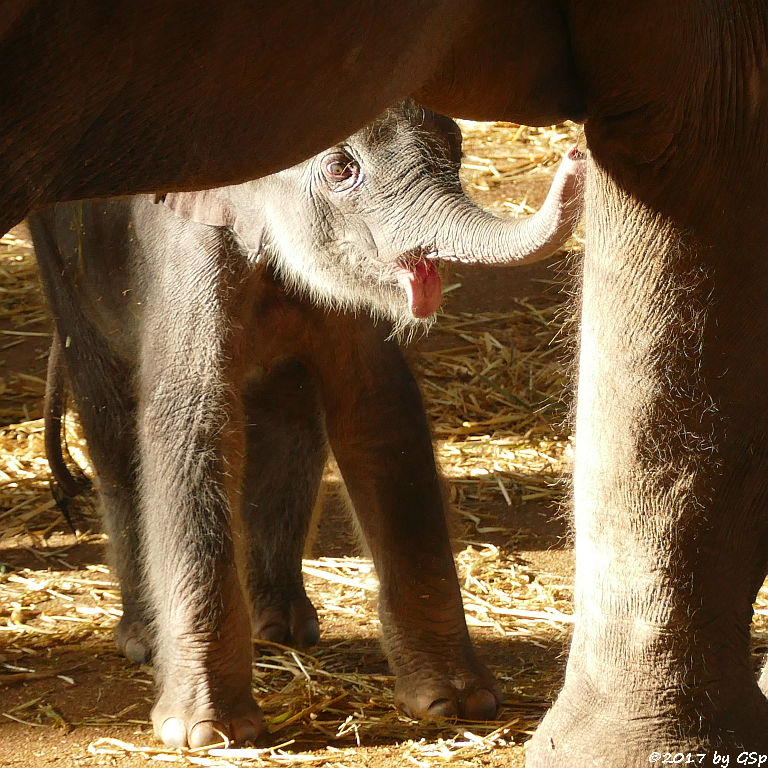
column 216, row 208
column 206, row 206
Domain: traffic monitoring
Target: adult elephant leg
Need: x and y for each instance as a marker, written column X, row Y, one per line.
column 379, row 435
column 191, row 448
column 286, row 450
column 672, row 410
column 670, row 489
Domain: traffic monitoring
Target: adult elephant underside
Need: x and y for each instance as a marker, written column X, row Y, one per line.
column 672, row 416
column 113, row 98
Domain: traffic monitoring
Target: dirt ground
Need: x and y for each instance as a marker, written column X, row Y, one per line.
column 69, row 699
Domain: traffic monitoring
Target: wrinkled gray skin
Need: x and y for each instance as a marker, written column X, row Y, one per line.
column 368, row 237
column 671, row 465
column 209, row 398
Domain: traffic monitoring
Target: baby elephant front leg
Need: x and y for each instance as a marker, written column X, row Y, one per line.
column 202, row 628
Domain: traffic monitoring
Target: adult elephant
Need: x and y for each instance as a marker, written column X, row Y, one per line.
column 672, row 418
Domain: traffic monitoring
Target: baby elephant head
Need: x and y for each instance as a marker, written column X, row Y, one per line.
column 363, row 223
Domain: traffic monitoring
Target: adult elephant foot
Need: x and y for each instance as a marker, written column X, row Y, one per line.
column 289, row 622
column 451, row 684
column 584, row 728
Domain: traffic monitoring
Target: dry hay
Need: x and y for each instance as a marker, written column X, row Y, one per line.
column 494, row 386
column 22, row 317
column 495, row 393
column 499, row 154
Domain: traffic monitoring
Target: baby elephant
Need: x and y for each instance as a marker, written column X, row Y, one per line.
column 210, row 395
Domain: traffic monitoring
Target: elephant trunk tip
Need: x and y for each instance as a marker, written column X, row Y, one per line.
column 478, row 237
column 576, row 154
column 568, row 185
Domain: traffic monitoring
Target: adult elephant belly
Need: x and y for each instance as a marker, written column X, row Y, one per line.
column 672, row 411
column 185, row 95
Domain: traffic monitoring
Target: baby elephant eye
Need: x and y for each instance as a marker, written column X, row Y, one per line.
column 340, row 168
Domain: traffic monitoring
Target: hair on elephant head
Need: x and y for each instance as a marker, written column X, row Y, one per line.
column 363, row 224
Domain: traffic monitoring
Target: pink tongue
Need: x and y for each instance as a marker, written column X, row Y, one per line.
column 423, row 286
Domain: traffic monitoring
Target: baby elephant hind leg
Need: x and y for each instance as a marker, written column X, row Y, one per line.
column 378, row 432
column 106, row 410
column 285, row 455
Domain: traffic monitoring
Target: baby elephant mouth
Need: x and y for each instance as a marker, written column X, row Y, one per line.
column 417, row 274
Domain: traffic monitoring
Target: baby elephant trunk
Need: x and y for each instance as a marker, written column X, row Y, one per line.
column 474, row 236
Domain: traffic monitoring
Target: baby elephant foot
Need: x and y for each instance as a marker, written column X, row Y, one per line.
column 132, row 639
column 192, row 724
column 448, row 688
column 204, row 677
column 292, row 623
